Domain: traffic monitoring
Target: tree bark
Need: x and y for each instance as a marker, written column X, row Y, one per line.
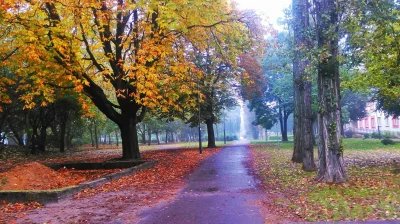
column 303, row 148
column 130, row 148
column 330, row 146
column 210, row 132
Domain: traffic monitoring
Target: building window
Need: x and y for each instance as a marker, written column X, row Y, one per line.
column 395, row 122
column 387, row 121
column 360, row 124
column 366, row 123
column 372, row 122
column 379, row 122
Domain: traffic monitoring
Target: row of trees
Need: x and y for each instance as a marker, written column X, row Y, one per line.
column 305, row 62
column 128, row 58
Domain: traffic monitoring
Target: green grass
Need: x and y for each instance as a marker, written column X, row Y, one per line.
column 371, row 192
column 349, row 144
column 367, row 144
column 182, row 145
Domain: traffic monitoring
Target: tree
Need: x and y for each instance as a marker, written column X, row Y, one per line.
column 303, row 121
column 330, row 145
column 373, row 44
column 128, row 57
column 275, row 100
column 354, row 103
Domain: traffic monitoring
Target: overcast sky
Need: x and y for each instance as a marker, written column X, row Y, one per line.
column 273, row 9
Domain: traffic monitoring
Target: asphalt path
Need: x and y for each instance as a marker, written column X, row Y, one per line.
column 221, row 190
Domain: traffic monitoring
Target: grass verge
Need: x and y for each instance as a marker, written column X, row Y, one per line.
column 371, row 192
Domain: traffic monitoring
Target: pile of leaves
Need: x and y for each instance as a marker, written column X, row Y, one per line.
column 371, row 193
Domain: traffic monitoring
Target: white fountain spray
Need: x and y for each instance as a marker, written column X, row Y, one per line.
column 242, row 122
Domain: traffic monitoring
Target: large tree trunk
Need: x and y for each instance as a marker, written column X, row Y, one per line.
column 210, row 132
column 330, row 147
column 303, row 148
column 308, row 131
column 130, row 147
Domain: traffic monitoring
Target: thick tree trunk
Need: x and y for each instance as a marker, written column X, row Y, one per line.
column 109, row 138
column 130, row 146
column 330, row 146
column 303, row 148
column 210, row 132
column 308, row 132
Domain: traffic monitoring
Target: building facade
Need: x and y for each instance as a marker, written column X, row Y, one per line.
column 375, row 121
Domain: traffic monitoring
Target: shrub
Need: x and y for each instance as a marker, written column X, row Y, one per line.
column 375, row 135
column 348, row 134
column 388, row 141
column 366, row 135
column 387, row 135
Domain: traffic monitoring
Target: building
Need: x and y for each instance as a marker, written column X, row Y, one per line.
column 375, row 121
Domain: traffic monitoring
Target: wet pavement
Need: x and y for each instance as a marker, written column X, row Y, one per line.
column 221, row 190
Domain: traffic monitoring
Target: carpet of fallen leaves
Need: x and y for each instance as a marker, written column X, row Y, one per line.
column 158, row 183
column 372, row 191
column 172, row 166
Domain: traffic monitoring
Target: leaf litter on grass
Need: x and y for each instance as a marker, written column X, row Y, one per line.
column 371, row 192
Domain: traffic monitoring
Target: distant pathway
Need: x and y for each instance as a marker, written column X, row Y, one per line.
column 221, row 190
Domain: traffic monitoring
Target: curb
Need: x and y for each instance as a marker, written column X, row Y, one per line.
column 52, row 196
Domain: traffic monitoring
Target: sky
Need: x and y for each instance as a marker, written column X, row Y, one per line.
column 273, row 9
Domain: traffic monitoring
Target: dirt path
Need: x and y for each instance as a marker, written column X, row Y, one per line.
column 221, row 190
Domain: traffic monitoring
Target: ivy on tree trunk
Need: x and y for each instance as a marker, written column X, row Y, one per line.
column 330, row 148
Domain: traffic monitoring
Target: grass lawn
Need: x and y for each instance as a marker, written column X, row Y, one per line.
column 371, row 192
